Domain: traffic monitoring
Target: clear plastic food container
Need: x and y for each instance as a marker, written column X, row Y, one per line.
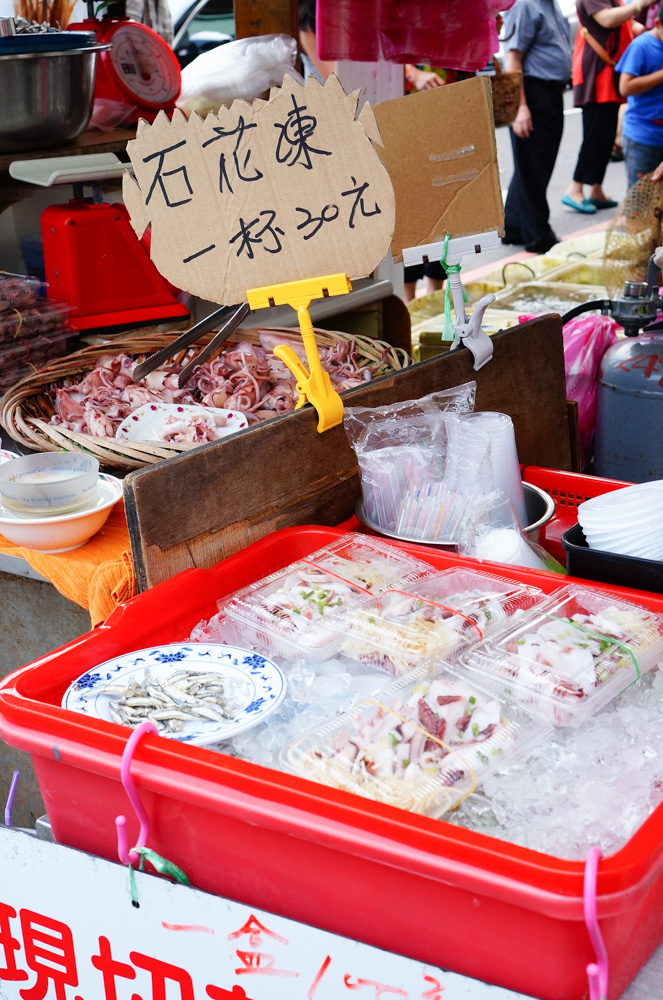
column 422, row 743
column 428, row 619
column 290, row 613
column 571, row 655
column 368, row 562
column 49, row 316
column 18, row 291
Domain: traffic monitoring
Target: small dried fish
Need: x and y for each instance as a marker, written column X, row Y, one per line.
column 183, row 696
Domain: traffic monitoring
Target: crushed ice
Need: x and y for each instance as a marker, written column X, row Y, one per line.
column 585, row 786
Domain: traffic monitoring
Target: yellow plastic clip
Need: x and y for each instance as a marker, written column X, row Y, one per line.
column 314, row 386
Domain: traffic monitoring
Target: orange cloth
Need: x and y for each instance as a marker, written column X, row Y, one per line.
column 97, row 576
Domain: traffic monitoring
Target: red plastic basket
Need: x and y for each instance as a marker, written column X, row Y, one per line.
column 402, row 882
column 568, row 490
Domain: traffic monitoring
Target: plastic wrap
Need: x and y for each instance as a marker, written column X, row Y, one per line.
column 572, row 654
column 419, row 463
column 32, row 320
column 422, row 743
column 20, row 358
column 241, row 70
column 17, row 291
column 491, row 531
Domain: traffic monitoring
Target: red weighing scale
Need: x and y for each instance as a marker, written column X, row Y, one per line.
column 139, row 69
column 92, row 258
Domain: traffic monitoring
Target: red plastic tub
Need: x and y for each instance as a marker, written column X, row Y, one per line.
column 568, row 490
column 402, row 882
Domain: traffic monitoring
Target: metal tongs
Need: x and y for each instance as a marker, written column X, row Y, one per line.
column 229, row 316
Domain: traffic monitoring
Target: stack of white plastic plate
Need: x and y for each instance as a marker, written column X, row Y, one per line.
column 628, row 522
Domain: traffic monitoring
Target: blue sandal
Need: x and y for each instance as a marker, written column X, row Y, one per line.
column 604, row 202
column 586, row 206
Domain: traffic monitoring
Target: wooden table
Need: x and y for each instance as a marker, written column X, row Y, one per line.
column 91, row 141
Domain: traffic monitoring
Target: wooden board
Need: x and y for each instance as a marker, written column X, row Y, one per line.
column 195, row 510
column 265, row 17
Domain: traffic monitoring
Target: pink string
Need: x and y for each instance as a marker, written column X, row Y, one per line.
column 131, row 857
column 597, row 974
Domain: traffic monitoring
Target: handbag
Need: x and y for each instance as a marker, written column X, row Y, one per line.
column 506, row 89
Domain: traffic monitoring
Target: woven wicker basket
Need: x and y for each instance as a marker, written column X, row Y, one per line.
column 26, row 409
column 506, row 95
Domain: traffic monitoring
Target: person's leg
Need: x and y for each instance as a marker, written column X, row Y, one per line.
column 603, row 129
column 599, row 127
column 514, row 198
column 640, row 159
column 411, row 276
column 575, row 190
column 435, row 275
column 535, row 160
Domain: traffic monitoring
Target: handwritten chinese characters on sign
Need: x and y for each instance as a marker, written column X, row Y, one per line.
column 279, row 190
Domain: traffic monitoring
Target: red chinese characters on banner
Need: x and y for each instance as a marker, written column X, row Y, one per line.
column 9, row 971
column 258, row 962
column 48, row 950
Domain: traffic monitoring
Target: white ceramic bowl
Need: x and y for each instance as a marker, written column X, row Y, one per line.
column 64, row 532
column 49, row 482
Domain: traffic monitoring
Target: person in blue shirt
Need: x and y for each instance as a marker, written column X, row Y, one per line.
column 641, row 82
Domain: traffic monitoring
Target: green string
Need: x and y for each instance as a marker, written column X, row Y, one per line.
column 162, row 865
column 602, row 638
column 448, row 332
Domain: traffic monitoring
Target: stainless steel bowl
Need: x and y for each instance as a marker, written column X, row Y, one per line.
column 540, row 508
column 46, row 97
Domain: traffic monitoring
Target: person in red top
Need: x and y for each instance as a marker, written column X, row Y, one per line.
column 605, row 30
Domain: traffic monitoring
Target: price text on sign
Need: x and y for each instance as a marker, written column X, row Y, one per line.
column 262, row 193
column 68, row 931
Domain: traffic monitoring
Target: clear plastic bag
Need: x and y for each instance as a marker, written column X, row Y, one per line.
column 109, row 115
column 491, row 531
column 241, row 70
column 417, row 461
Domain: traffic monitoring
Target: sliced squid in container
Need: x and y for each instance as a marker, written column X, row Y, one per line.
column 291, row 613
column 422, row 743
column 573, row 654
column 430, row 618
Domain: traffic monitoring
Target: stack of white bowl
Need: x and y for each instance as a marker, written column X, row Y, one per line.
column 628, row 522
column 54, row 501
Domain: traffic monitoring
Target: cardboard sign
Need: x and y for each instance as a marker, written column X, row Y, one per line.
column 279, row 190
column 68, row 931
column 439, row 148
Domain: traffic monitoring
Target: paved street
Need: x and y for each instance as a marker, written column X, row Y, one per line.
column 563, row 220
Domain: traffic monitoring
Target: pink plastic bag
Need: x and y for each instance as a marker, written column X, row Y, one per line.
column 450, row 34
column 586, row 339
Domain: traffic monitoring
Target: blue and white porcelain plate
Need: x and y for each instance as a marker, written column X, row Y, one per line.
column 255, row 687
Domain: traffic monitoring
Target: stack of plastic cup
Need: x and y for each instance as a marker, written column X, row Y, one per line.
column 503, row 457
column 627, row 522
column 468, row 460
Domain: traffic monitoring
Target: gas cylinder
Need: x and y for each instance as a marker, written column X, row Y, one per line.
column 629, row 416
